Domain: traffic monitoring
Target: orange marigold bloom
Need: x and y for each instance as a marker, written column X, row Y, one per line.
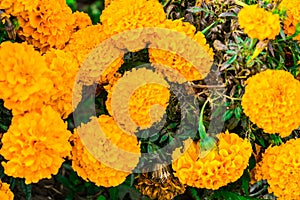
column 24, row 77
column 44, row 23
column 5, row 192
column 259, row 23
column 293, row 16
column 173, row 61
column 141, row 91
column 64, row 68
column 82, row 20
column 84, row 41
column 271, row 101
column 35, row 145
column 221, row 166
column 99, row 155
column 280, row 166
column 131, row 14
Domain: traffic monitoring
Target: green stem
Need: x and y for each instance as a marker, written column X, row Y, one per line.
column 209, row 27
column 201, row 127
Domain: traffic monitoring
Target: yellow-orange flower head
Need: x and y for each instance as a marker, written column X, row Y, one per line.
column 35, row 145
column 24, row 79
column 223, row 165
column 5, row 192
column 293, row 16
column 64, row 68
column 173, row 61
column 271, row 101
column 145, row 96
column 125, row 15
column 259, row 23
column 280, row 166
column 101, row 160
column 44, row 23
column 82, row 44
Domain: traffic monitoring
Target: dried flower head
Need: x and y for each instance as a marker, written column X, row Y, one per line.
column 161, row 185
column 223, row 165
column 280, row 166
column 271, row 101
column 35, row 145
column 259, row 23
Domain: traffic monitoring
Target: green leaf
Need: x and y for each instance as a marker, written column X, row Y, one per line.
column 231, row 60
column 227, row 115
column 194, row 193
column 245, row 182
column 150, row 148
column 252, row 162
column 154, row 137
column 163, row 138
column 101, row 197
column 237, row 112
column 113, row 193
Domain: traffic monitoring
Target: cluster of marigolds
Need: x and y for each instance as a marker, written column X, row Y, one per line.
column 38, row 76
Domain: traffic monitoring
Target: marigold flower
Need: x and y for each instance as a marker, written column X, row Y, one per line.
column 271, row 101
column 293, row 16
column 35, row 145
column 259, row 23
column 131, row 14
column 280, row 166
column 82, row 20
column 5, row 192
column 223, row 165
column 24, row 77
column 174, row 61
column 84, row 41
column 64, row 68
column 44, row 23
column 141, row 91
column 99, row 156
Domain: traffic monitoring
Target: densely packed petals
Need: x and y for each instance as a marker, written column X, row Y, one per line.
column 98, row 154
column 280, row 166
column 271, row 101
column 221, row 166
column 35, row 145
column 259, row 23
